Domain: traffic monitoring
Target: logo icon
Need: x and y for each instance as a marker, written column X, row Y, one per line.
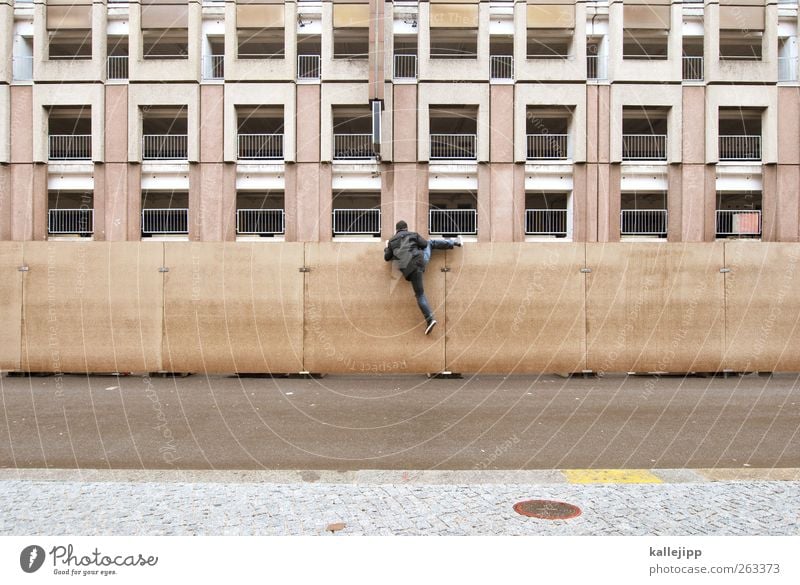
column 31, row 558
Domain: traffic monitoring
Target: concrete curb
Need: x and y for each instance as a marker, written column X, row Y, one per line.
column 418, row 477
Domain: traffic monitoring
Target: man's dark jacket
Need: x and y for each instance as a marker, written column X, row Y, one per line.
column 406, row 247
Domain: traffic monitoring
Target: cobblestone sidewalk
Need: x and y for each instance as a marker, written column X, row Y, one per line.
column 231, row 503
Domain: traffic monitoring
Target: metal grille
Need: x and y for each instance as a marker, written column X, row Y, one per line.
column 117, row 67
column 213, row 66
column 164, row 146
column 70, row 146
column 550, row 222
column 356, row 221
column 740, row 147
column 643, row 222
column 260, row 146
column 260, row 221
column 693, row 69
column 405, row 66
column 501, row 66
column 308, row 67
column 453, row 146
column 738, row 222
column 165, row 221
column 352, row 146
column 644, row 147
column 22, row 68
column 547, row 146
column 70, row 221
column 453, row 221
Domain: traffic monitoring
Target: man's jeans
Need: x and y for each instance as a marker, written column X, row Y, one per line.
column 416, row 278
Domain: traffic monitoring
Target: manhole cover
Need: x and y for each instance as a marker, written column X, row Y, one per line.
column 547, row 509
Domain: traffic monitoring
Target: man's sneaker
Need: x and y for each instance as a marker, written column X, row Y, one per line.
column 458, row 242
column 431, row 325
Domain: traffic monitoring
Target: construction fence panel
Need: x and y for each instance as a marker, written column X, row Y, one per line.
column 10, row 304
column 514, row 308
column 655, row 307
column 233, row 307
column 361, row 315
column 762, row 290
column 92, row 307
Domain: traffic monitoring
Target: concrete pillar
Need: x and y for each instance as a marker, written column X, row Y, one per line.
column 289, row 201
column 674, row 203
column 769, row 203
column 693, row 203
column 99, row 202
column 710, row 204
column 502, row 212
column 580, row 176
column 501, row 126
column 313, row 202
column 134, row 202
column 6, row 199
column 788, row 222
column 518, row 202
column 404, row 123
column 484, row 203
column 308, row 123
column 228, row 202
column 113, row 201
column 39, row 201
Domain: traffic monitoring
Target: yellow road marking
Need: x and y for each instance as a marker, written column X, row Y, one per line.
column 610, row 476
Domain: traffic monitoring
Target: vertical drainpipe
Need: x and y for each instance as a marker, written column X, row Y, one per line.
column 376, row 61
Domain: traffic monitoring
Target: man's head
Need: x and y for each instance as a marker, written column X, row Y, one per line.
column 401, row 225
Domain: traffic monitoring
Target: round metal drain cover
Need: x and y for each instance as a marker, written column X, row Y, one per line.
column 547, row 509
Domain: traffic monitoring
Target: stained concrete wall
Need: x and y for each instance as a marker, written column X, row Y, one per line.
column 513, row 308
column 654, row 307
column 762, row 307
column 502, row 307
column 93, row 306
column 233, row 307
column 361, row 315
column 10, row 304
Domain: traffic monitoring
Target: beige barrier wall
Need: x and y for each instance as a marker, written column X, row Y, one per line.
column 91, row 306
column 654, row 307
column 516, row 308
column 233, row 307
column 762, row 306
column 10, row 304
column 361, row 314
column 246, row 307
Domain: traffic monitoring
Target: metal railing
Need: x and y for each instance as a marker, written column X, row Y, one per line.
column 644, row 147
column 405, row 67
column 260, row 146
column 453, row 221
column 453, row 146
column 787, row 68
column 309, row 67
column 547, row 222
column 165, row 221
column 692, row 68
column 738, row 222
column 352, row 146
column 547, row 146
column 643, row 222
column 213, row 66
column 117, row 67
column 356, row 221
column 70, row 146
column 22, row 68
column 501, row 67
column 260, row 221
column 70, row 221
column 164, row 146
column 596, row 67
column 740, row 147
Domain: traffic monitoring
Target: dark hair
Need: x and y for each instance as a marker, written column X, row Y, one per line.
column 401, row 225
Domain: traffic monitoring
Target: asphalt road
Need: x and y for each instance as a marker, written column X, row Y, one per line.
column 399, row 422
